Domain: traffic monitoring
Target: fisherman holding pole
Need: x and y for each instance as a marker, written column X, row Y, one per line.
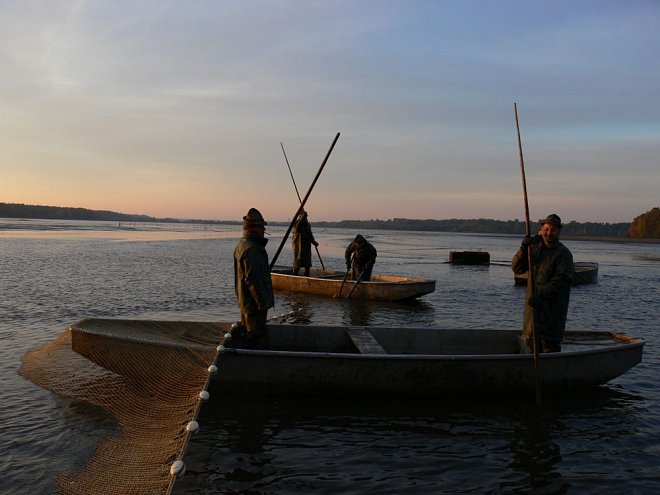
column 302, row 240
column 552, row 271
column 302, row 234
column 303, row 202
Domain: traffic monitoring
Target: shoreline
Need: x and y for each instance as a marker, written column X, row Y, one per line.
column 115, row 235
column 622, row 240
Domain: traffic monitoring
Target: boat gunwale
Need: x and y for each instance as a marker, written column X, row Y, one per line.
column 397, row 279
column 434, row 357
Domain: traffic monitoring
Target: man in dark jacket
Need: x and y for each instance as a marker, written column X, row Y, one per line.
column 363, row 258
column 252, row 281
column 302, row 241
column 553, row 271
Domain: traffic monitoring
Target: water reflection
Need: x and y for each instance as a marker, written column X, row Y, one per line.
column 358, row 313
column 318, row 310
column 537, row 455
column 283, row 445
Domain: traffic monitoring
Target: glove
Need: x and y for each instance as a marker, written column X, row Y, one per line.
column 527, row 240
column 315, row 243
column 535, row 300
column 348, row 265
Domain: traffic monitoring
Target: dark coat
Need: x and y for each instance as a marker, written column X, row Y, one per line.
column 252, row 282
column 363, row 256
column 553, row 272
column 302, row 241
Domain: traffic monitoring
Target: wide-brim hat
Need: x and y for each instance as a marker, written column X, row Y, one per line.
column 254, row 218
column 552, row 219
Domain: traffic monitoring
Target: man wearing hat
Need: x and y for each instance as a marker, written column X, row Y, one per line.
column 553, row 271
column 363, row 258
column 252, row 282
column 302, row 240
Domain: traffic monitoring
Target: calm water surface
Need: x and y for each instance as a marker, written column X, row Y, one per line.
column 606, row 441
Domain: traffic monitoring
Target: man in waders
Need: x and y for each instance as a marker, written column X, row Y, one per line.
column 254, row 289
column 553, row 272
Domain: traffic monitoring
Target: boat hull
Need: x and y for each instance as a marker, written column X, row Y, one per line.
column 307, row 360
column 586, row 272
column 330, row 283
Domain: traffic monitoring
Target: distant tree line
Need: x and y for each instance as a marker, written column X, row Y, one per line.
column 480, row 226
column 646, row 225
column 15, row 210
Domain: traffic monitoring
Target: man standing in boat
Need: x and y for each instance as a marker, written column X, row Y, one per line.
column 302, row 241
column 252, row 282
column 553, row 271
column 363, row 258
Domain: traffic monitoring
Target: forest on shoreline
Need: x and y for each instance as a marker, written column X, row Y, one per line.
column 645, row 225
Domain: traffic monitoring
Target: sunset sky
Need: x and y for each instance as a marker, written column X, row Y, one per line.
column 178, row 108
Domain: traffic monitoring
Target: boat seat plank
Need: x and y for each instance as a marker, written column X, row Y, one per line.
column 365, row 341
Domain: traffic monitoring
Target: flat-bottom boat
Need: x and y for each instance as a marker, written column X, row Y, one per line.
column 358, row 361
column 586, row 272
column 334, row 283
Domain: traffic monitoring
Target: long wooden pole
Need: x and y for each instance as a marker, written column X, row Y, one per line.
column 359, row 279
column 299, row 198
column 290, row 172
column 302, row 203
column 530, row 271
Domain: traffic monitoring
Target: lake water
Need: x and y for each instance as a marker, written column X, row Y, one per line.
column 53, row 273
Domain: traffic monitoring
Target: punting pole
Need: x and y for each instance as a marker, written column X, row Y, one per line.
column 530, row 271
column 359, row 279
column 338, row 294
column 302, row 203
column 299, row 199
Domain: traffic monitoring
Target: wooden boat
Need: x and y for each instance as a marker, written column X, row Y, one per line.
column 329, row 282
column 375, row 361
column 586, row 272
column 469, row 257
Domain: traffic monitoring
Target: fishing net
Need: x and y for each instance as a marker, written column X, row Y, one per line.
column 154, row 386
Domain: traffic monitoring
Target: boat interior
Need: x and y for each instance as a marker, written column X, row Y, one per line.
column 385, row 340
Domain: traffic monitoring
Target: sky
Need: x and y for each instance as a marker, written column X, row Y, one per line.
column 180, row 109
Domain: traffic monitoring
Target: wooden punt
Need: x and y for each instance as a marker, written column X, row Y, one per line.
column 376, row 361
column 586, row 272
column 329, row 282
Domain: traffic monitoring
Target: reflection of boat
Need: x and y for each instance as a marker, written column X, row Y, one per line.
column 586, row 272
column 469, row 257
column 349, row 360
column 329, row 282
